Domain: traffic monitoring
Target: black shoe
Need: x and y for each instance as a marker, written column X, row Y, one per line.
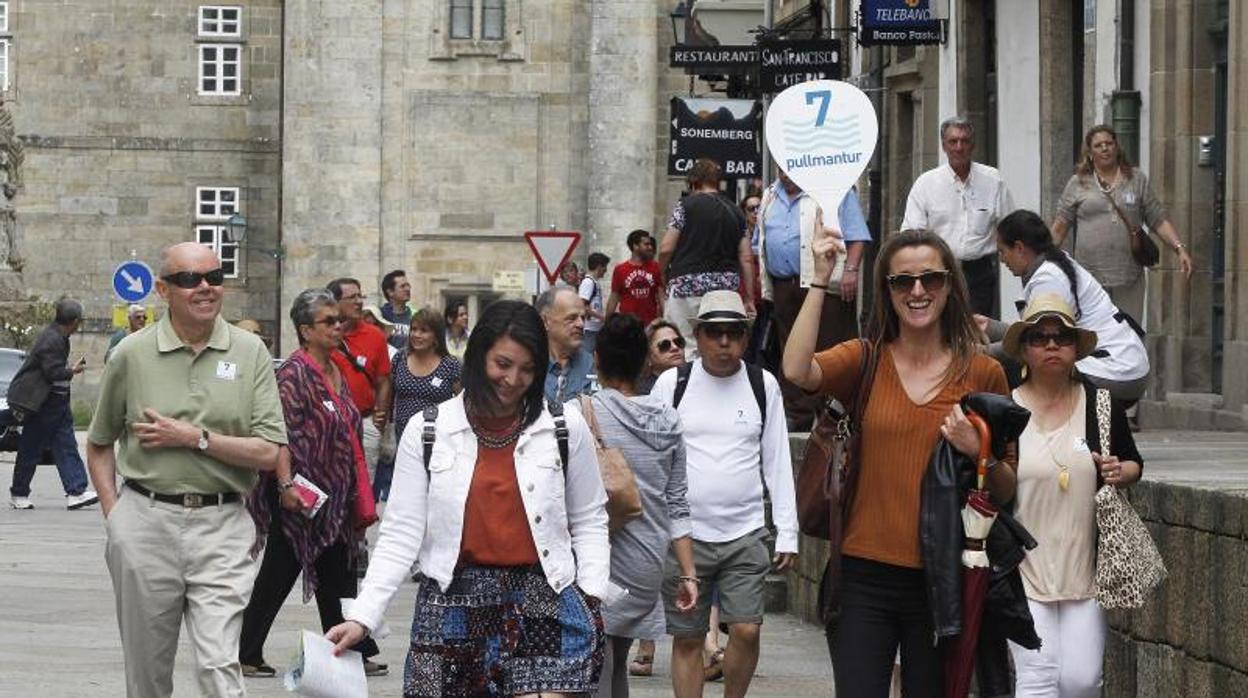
column 259, row 671
column 372, row 668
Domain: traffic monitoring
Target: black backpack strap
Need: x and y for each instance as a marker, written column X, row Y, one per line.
column 561, row 430
column 755, row 374
column 682, row 382
column 429, row 433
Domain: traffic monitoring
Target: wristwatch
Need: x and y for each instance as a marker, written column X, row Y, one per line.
column 202, row 444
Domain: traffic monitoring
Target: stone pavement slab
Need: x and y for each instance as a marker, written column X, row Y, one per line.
column 60, row 633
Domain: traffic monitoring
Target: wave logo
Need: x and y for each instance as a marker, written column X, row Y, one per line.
column 835, row 134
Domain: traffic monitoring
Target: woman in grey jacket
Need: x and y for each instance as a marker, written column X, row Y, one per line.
column 648, row 432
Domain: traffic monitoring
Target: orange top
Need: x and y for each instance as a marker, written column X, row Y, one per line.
column 496, row 527
column 897, row 441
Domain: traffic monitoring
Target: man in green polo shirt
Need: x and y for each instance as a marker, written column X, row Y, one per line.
column 193, row 403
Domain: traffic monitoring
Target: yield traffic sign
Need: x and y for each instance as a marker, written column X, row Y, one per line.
column 132, row 281
column 552, row 248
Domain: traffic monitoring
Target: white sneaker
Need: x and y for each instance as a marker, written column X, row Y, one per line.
column 78, row 501
column 21, row 503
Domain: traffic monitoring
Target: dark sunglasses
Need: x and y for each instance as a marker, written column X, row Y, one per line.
column 665, row 345
column 1040, row 340
column 716, row 330
column 330, row 321
column 192, row 279
column 752, row 209
column 931, row 280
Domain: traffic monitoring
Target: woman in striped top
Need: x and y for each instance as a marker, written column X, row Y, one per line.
column 928, row 360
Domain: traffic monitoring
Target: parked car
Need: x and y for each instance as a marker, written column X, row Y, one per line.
column 10, row 361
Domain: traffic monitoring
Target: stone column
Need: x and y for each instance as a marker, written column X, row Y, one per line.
column 331, row 146
column 623, row 89
column 1235, row 326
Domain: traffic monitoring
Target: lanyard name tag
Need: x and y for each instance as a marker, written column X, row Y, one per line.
column 227, row 370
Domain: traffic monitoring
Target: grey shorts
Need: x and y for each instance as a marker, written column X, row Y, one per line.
column 736, row 570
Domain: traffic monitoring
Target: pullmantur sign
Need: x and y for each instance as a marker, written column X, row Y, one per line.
column 899, row 23
column 724, row 130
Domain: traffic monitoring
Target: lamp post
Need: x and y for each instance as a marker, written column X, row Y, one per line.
column 680, row 22
column 236, row 228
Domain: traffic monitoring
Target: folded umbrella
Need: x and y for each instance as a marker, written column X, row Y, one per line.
column 978, row 515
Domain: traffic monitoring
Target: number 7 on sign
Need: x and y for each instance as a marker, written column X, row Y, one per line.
column 826, row 97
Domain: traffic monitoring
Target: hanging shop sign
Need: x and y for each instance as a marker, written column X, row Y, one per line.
column 720, row 59
column 724, row 130
column 898, row 23
column 783, row 64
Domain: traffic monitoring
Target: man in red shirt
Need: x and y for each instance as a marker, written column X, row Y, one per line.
column 364, row 363
column 635, row 285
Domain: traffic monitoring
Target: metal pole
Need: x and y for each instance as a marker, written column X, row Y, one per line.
column 769, row 17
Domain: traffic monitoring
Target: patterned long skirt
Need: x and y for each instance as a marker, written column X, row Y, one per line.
column 502, row 631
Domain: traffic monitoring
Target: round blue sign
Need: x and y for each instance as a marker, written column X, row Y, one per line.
column 132, row 281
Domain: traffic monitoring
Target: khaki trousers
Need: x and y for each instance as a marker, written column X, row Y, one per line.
column 169, row 564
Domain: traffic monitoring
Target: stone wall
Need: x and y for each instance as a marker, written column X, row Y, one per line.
column 116, row 140
column 1191, row 639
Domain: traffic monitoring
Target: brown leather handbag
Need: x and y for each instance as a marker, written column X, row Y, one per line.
column 623, row 497
column 1143, row 249
column 829, row 474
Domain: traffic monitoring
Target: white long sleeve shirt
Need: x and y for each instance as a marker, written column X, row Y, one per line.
column 963, row 214
column 726, row 442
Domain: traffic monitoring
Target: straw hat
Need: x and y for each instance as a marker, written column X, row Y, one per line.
column 720, row 307
column 381, row 319
column 248, row 325
column 1047, row 306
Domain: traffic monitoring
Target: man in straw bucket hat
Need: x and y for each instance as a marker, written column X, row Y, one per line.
column 734, row 427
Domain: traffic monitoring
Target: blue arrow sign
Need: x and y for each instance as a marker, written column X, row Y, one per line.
column 132, row 281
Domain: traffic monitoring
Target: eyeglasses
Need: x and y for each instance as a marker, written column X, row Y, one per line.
column 665, row 345
column 1040, row 340
column 330, row 321
column 192, row 279
column 752, row 209
column 716, row 330
column 931, row 280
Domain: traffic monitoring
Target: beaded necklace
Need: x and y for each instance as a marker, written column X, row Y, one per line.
column 499, row 438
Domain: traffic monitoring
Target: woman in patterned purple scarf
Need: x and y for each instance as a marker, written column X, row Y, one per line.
column 322, row 423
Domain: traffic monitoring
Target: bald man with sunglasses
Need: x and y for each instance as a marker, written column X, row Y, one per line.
column 193, row 403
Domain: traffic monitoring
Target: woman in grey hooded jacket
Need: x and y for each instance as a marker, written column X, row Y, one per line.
column 648, row 432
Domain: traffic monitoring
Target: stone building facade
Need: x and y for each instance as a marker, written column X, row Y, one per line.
column 122, row 140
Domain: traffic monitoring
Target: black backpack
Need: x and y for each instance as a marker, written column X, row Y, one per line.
column 429, row 435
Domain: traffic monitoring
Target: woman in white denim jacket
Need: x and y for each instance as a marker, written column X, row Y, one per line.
column 511, row 542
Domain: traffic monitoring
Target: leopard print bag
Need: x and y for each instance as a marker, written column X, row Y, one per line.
column 1128, row 565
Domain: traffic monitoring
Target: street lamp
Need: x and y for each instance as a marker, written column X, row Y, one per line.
column 236, row 228
column 680, row 19
column 236, row 231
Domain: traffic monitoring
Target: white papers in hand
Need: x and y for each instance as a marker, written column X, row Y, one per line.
column 317, row 673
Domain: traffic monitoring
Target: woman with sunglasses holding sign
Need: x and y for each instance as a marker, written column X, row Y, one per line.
column 1120, row 362
column 928, row 357
column 1061, row 465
